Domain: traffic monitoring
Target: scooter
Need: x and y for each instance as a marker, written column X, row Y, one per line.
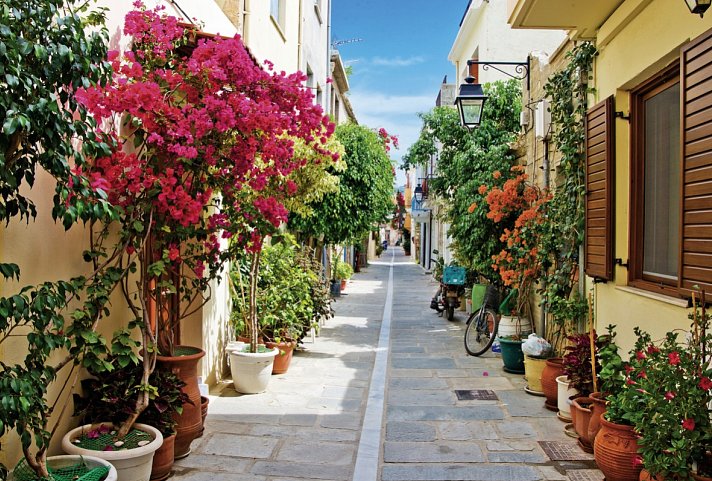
column 447, row 299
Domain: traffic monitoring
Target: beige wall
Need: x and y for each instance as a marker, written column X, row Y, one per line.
column 633, row 46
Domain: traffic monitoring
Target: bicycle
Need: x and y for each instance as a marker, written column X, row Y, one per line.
column 482, row 325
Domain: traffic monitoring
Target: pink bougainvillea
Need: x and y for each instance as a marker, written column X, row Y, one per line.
column 203, row 146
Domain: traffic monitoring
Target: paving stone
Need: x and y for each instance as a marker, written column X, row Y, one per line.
column 344, row 392
column 407, row 431
column 423, row 397
column 435, row 452
column 455, row 431
column 299, row 470
column 317, row 453
column 335, row 404
column 417, row 383
column 516, row 429
column 525, row 457
column 298, row 420
column 411, row 373
column 446, row 373
column 585, row 475
column 410, row 349
column 550, row 473
column 423, row 363
column 443, row 413
column 211, row 462
column 341, row 421
column 306, row 433
column 454, row 472
column 240, row 446
column 193, row 475
column 511, row 445
column 521, row 404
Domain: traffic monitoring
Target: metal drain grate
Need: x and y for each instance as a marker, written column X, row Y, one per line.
column 476, row 395
column 585, row 475
column 558, row 451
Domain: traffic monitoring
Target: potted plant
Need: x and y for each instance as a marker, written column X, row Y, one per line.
column 406, row 241
column 111, row 397
column 673, row 380
column 343, row 272
column 612, row 377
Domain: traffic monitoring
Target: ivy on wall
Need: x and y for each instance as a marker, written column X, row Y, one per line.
column 563, row 234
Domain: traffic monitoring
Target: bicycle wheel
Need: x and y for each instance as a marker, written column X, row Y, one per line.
column 481, row 331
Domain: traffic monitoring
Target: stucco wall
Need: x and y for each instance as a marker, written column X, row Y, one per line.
column 634, row 44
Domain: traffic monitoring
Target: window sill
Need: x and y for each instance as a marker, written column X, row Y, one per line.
column 278, row 27
column 654, row 295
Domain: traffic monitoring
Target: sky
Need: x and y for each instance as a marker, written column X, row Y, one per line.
column 400, row 61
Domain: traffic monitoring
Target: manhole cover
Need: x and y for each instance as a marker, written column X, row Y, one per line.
column 476, row 395
column 558, row 451
column 585, row 475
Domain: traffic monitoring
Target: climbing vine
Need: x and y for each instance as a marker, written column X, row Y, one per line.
column 564, row 233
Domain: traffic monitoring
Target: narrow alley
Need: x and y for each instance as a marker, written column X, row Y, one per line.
column 375, row 397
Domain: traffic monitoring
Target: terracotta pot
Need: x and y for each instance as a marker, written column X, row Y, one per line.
column 697, row 477
column 581, row 413
column 614, row 450
column 343, row 284
column 553, row 369
column 284, row 358
column 204, row 401
column 645, row 476
column 163, row 459
column 598, row 409
column 185, row 365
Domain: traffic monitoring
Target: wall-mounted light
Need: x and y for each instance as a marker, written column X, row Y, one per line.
column 698, row 6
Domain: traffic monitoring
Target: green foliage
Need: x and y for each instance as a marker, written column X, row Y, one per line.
column 289, row 297
column 365, row 190
column 406, row 239
column 342, row 270
column 612, row 373
column 563, row 234
column 47, row 49
column 467, row 160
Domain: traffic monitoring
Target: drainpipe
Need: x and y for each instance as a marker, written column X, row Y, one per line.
column 541, row 325
column 299, row 38
column 245, row 17
column 327, row 85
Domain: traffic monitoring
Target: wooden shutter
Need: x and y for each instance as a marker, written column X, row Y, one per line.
column 598, row 254
column 695, row 267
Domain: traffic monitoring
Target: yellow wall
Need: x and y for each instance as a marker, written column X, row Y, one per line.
column 637, row 41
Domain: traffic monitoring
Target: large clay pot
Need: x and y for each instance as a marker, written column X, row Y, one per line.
column 581, row 406
column 598, row 409
column 645, row 476
column 163, row 459
column 697, row 477
column 533, row 367
column 185, row 365
column 614, row 450
column 563, row 398
column 131, row 464
column 553, row 369
column 284, row 358
column 204, row 402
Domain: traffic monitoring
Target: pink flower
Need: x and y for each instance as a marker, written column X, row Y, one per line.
column 688, row 424
column 637, row 461
column 705, row 383
column 485, row 373
column 652, row 349
column 629, row 369
column 674, row 358
column 669, row 395
column 630, row 382
column 640, row 355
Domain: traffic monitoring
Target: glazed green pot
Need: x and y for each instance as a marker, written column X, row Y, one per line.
column 512, row 355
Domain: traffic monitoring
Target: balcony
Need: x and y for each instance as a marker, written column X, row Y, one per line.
column 582, row 17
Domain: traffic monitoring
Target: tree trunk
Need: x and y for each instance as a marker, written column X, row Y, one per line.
column 254, row 325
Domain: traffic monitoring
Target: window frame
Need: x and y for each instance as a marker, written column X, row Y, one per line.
column 649, row 88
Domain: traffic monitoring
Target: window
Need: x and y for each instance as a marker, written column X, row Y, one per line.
column 277, row 12
column 655, row 183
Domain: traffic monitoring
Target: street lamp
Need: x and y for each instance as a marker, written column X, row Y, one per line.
column 470, row 101
column 698, row 6
column 418, row 194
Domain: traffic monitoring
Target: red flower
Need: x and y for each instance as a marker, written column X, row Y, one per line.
column 674, row 358
column 669, row 395
column 630, row 382
column 652, row 349
column 688, row 424
column 629, row 369
column 637, row 461
column 640, row 355
column 705, row 383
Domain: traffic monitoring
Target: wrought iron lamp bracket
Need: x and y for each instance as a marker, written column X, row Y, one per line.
column 521, row 69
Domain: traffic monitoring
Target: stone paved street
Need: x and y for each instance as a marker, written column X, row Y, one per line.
column 374, row 399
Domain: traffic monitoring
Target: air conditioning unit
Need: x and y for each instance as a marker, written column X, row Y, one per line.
column 542, row 120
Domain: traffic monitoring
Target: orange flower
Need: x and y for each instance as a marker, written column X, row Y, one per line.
column 482, row 189
column 472, row 208
column 496, row 174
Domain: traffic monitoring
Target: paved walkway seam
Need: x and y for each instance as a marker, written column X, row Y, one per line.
column 367, row 457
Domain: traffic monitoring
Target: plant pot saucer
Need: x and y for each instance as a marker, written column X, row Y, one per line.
column 569, row 430
column 587, row 448
column 513, row 371
column 566, row 419
column 551, row 406
column 533, row 392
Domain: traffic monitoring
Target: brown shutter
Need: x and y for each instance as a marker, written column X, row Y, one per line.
column 695, row 267
column 598, row 254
